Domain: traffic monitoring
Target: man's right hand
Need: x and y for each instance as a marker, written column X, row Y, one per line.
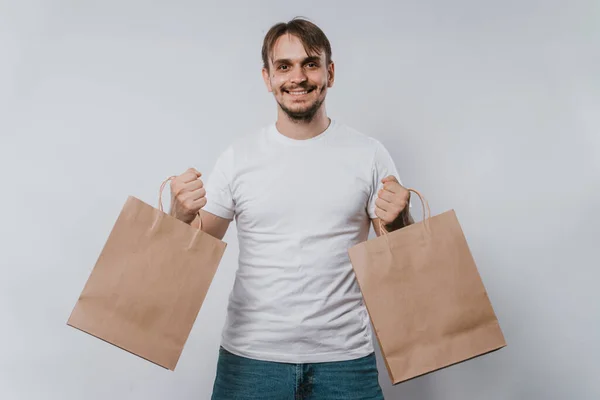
column 188, row 195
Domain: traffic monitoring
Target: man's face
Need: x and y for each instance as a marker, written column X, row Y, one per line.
column 298, row 81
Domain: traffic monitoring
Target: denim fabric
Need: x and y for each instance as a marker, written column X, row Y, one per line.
column 240, row 378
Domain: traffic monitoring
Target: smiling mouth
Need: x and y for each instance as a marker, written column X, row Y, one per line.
column 298, row 92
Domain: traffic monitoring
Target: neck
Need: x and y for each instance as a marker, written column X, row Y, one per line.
column 301, row 130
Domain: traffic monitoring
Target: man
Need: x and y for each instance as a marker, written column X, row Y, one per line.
column 302, row 191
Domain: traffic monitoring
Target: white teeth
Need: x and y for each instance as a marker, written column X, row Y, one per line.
column 298, row 93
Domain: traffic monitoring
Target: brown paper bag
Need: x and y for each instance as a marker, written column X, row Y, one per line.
column 425, row 297
column 148, row 284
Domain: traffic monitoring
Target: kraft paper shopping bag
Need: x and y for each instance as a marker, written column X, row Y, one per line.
column 148, row 284
column 425, row 297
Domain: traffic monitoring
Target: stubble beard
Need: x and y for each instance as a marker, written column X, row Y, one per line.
column 306, row 115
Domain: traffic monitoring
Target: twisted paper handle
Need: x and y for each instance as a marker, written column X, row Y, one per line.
column 160, row 205
column 424, row 203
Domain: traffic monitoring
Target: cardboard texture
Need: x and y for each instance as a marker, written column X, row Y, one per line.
column 148, row 284
column 425, row 297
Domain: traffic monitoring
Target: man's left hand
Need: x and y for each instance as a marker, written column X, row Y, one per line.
column 391, row 200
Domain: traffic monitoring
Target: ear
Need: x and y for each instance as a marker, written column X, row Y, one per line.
column 265, row 75
column 330, row 74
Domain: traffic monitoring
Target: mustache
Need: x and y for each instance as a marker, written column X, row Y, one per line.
column 305, row 86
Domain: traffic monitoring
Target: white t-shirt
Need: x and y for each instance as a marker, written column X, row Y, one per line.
column 299, row 205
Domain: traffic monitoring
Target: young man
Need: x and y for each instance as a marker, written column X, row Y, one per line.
column 303, row 191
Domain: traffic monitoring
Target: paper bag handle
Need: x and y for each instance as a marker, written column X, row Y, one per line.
column 160, row 193
column 426, row 210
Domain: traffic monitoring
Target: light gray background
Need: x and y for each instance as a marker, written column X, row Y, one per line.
column 490, row 108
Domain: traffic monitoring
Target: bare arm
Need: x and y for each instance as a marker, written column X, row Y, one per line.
column 212, row 224
column 188, row 196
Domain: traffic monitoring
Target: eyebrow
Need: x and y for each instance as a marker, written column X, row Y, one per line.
column 306, row 60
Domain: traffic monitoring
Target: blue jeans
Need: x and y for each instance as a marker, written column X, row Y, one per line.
column 240, row 378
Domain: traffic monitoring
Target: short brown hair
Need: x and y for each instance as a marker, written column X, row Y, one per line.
column 311, row 36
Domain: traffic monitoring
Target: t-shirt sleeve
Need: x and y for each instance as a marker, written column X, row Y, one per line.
column 383, row 165
column 219, row 198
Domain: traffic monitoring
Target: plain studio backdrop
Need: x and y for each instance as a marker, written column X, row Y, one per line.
column 488, row 108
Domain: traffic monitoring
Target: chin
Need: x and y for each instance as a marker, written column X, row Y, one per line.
column 299, row 109
column 300, row 106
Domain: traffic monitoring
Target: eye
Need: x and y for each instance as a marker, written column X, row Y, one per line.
column 282, row 67
column 312, row 65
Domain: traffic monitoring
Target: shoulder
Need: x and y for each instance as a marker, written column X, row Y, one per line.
column 352, row 136
column 374, row 151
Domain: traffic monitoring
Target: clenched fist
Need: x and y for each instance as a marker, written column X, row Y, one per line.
column 188, row 195
column 392, row 200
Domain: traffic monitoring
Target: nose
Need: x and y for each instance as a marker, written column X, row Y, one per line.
column 297, row 76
